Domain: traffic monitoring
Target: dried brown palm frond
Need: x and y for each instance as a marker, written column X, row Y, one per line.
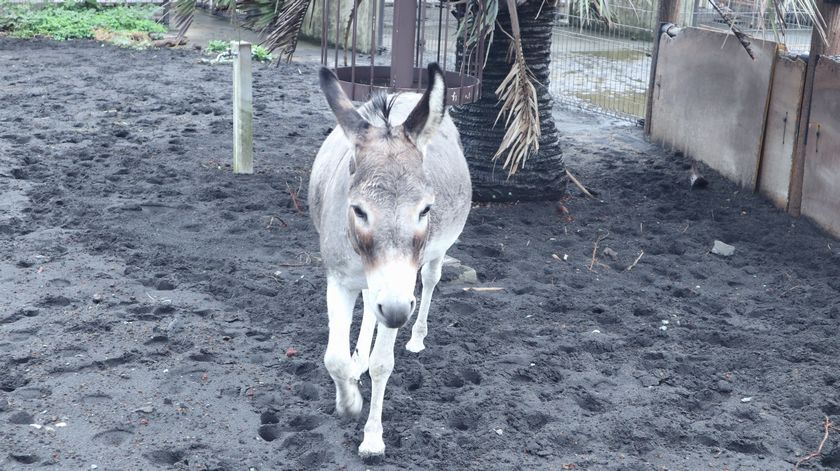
column 518, row 97
column 279, row 20
column 739, row 35
column 182, row 11
column 477, row 22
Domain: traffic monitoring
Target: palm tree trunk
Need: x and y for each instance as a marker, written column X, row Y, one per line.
column 543, row 176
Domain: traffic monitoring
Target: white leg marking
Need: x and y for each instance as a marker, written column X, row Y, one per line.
column 340, row 302
column 362, row 355
column 430, row 273
column 381, row 365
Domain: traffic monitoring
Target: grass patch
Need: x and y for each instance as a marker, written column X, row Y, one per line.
column 617, row 55
column 631, row 102
column 77, row 21
column 216, row 45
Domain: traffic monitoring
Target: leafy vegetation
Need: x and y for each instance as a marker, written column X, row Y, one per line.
column 258, row 53
column 76, row 20
column 216, row 45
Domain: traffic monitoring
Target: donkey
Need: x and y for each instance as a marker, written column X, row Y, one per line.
column 387, row 200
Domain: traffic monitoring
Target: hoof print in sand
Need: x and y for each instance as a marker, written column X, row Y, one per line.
column 23, row 459
column 464, row 420
column 269, row 432
column 303, row 423
column 307, row 392
column 269, row 417
column 21, row 418
column 114, row 437
column 165, row 457
column 308, row 449
column 458, row 379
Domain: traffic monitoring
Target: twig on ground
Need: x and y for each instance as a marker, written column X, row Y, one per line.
column 293, row 195
column 827, row 425
column 271, row 221
column 636, row 261
column 579, row 184
column 785, row 292
column 595, row 249
column 484, row 289
column 304, row 259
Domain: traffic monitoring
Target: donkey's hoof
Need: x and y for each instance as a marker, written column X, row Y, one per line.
column 351, row 405
column 372, row 450
column 415, row 345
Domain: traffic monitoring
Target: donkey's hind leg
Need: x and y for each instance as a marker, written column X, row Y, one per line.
column 361, row 356
column 340, row 303
column 430, row 274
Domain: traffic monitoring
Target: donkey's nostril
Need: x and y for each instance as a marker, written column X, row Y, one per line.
column 394, row 312
column 413, row 303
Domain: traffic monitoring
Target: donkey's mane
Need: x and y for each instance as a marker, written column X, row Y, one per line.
column 377, row 111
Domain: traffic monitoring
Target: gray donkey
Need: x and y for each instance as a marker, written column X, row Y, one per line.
column 387, row 200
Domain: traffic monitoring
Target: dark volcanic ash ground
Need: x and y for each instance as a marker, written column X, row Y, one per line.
column 149, row 297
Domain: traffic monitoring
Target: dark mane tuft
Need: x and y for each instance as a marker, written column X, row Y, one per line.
column 379, row 108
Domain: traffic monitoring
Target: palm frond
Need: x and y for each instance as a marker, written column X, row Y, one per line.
column 598, row 10
column 518, row 97
column 742, row 38
column 477, row 23
column 279, row 20
column 183, row 11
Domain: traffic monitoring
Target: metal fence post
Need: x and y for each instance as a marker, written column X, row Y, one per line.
column 668, row 12
column 402, row 43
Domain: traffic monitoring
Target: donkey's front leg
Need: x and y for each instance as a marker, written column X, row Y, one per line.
column 430, row 274
column 361, row 357
column 381, row 365
column 340, row 303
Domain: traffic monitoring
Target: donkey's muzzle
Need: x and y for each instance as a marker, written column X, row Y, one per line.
column 394, row 312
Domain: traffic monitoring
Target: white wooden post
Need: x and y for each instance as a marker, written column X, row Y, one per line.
column 243, row 111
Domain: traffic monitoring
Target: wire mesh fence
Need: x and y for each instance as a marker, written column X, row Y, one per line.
column 797, row 36
column 604, row 66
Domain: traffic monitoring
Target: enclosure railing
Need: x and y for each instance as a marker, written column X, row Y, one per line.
column 797, row 37
column 604, row 66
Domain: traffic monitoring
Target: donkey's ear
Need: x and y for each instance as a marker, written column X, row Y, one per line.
column 424, row 120
column 349, row 119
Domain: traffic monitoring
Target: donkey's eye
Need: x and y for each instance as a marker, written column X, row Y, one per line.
column 360, row 213
column 425, row 211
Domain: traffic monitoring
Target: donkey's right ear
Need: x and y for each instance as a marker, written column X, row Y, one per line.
column 349, row 119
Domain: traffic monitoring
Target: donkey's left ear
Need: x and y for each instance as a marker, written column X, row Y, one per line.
column 425, row 119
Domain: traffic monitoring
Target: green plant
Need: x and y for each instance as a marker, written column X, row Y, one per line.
column 260, row 54
column 216, row 45
column 76, row 20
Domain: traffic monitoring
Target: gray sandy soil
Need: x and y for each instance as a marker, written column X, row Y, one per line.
column 149, row 297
